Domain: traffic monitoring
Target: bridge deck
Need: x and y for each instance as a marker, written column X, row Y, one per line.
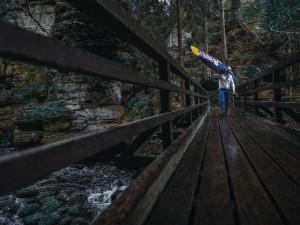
column 236, row 171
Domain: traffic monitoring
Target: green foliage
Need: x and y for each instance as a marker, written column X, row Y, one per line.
column 50, row 111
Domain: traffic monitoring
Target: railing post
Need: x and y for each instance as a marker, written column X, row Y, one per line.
column 277, row 97
column 187, row 86
column 165, row 103
column 255, row 86
column 245, row 98
column 197, row 101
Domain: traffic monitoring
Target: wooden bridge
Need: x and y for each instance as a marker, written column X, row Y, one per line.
column 239, row 169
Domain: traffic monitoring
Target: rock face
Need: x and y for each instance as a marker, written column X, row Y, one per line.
column 40, row 105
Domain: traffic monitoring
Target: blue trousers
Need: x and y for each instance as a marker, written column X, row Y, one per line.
column 224, row 98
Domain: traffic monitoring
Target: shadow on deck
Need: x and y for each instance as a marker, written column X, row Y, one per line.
column 236, row 171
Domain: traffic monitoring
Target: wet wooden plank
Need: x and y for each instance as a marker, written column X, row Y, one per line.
column 253, row 203
column 214, row 204
column 283, row 192
column 267, row 130
column 283, row 159
column 175, row 202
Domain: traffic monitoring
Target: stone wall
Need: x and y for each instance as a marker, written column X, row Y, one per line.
column 40, row 105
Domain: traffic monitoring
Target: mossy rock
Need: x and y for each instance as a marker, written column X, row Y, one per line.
column 50, row 219
column 58, row 127
column 25, row 139
column 66, row 220
column 77, row 198
column 52, row 137
column 74, row 211
column 63, row 210
column 51, row 205
column 33, row 219
column 28, row 209
column 27, row 192
column 78, row 221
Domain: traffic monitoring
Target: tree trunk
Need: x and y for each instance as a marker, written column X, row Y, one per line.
column 179, row 33
column 235, row 5
column 206, row 40
column 224, row 46
column 180, row 50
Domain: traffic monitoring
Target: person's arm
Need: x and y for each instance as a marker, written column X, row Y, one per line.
column 232, row 85
column 214, row 75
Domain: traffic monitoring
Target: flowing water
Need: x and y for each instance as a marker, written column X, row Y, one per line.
column 73, row 195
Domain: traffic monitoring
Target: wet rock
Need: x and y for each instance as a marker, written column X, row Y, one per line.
column 116, row 194
column 78, row 221
column 50, row 204
column 27, row 192
column 28, row 209
column 13, row 208
column 74, row 211
column 77, row 198
column 33, row 219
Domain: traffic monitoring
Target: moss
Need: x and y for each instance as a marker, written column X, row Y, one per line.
column 28, row 209
column 25, row 139
column 66, row 220
column 52, row 137
column 51, row 219
column 33, row 219
column 51, row 205
column 74, row 211
column 27, row 192
column 78, row 221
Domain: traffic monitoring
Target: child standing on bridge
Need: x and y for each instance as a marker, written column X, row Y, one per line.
column 225, row 82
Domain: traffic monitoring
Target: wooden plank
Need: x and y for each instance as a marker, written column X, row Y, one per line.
column 276, row 133
column 283, row 192
column 253, row 203
column 284, row 160
column 114, row 17
column 214, row 204
column 176, row 201
column 42, row 160
column 18, row 43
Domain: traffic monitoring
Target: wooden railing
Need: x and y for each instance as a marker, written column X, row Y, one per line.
column 277, row 75
column 20, row 169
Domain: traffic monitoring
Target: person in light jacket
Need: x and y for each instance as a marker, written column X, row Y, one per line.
column 225, row 83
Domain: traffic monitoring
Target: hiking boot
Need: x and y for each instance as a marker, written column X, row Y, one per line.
column 222, row 114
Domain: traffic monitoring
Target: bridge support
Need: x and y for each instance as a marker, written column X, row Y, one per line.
column 165, row 103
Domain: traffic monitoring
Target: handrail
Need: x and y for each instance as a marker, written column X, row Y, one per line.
column 119, row 21
column 17, row 43
column 278, row 105
column 293, row 59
